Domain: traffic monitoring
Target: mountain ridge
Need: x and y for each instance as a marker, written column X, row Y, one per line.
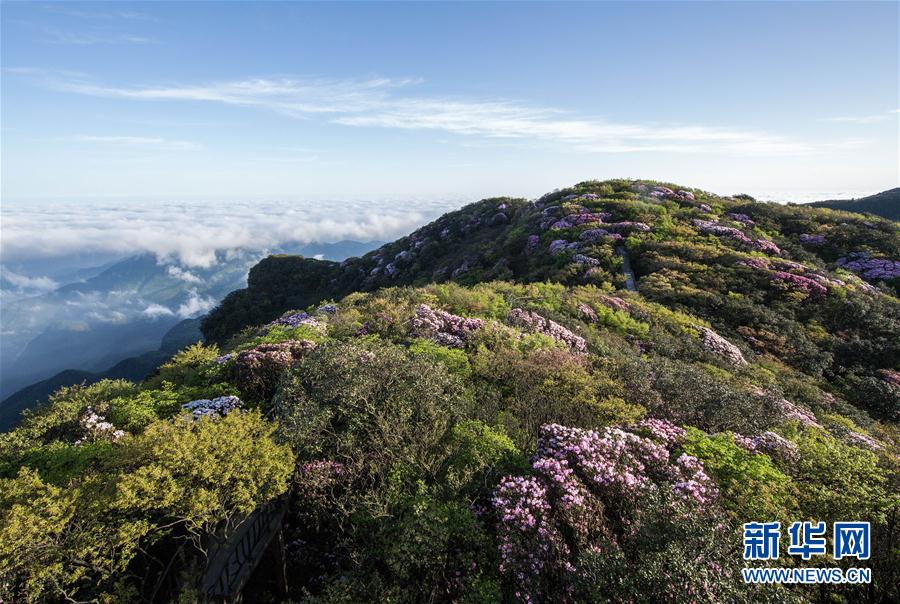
column 885, row 204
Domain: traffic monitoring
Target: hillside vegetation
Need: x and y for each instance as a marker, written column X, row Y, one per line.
column 481, row 411
column 885, row 204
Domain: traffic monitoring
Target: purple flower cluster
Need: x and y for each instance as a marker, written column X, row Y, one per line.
column 801, row 283
column 585, row 260
column 768, row 443
column 574, row 220
column 666, row 192
column 627, row 225
column 617, row 463
column 535, row 323
column 714, row 228
column 800, row 278
column 812, row 239
column 528, row 539
column 872, row 269
column 742, row 218
column 588, row 485
column 660, row 430
column 296, row 319
column 757, row 263
column 444, row 328
column 216, row 407
column 863, row 441
column 766, row 246
column 558, row 246
column 595, row 235
column 551, row 211
column 792, row 411
column 716, row 344
column 890, row 376
column 256, row 371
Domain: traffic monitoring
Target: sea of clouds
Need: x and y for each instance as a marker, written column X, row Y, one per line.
column 189, row 234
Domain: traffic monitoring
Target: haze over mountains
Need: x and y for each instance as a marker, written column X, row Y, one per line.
column 108, row 313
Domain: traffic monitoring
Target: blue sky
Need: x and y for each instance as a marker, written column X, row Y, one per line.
column 244, row 101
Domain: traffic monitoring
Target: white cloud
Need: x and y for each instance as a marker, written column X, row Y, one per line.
column 89, row 39
column 191, row 233
column 387, row 103
column 195, row 306
column 110, row 15
column 861, row 119
column 179, row 273
column 154, row 311
column 138, row 141
column 26, row 284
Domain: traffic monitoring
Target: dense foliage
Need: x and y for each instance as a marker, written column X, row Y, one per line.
column 481, row 412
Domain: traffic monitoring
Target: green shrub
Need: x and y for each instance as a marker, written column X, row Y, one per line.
column 753, row 489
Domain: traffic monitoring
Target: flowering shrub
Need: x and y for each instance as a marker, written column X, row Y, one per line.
column 96, row 427
column 809, row 239
column 890, row 376
column 585, row 260
column 535, row 323
column 716, row 344
column 596, row 235
column 791, row 411
column 221, row 405
column 742, row 218
column 769, row 443
column 766, row 246
column 585, row 217
column 800, row 283
column 660, row 430
column 870, row 268
column 588, row 495
column 295, row 319
column 558, row 246
column 627, row 225
column 444, row 328
column 256, row 371
column 714, row 228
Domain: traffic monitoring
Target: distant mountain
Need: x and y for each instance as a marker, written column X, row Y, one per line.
column 135, row 369
column 117, row 313
column 885, row 204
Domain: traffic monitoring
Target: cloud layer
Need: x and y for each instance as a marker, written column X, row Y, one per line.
column 392, row 103
column 191, row 233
